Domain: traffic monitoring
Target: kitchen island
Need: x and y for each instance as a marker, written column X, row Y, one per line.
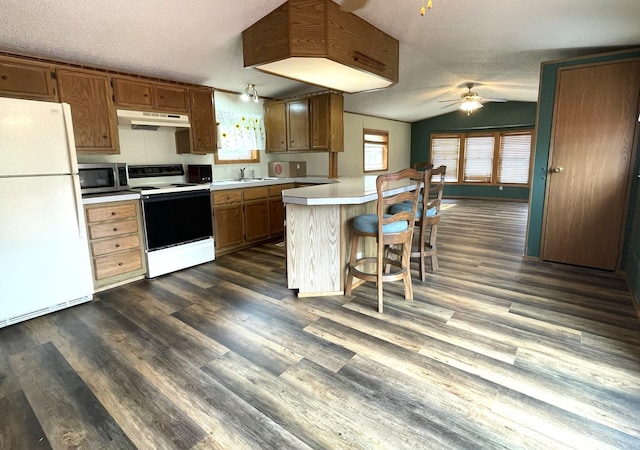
column 318, row 231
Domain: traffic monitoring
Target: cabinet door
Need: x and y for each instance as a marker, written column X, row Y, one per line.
column 203, row 124
column 256, row 220
column 275, row 126
column 327, row 122
column 131, row 93
column 228, row 226
column 92, row 110
column 276, row 217
column 28, row 81
column 298, row 124
column 170, row 98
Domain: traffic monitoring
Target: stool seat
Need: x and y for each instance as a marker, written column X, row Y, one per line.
column 431, row 212
column 368, row 223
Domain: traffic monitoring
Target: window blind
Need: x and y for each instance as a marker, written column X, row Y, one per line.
column 375, row 151
column 478, row 159
column 514, row 158
column 445, row 151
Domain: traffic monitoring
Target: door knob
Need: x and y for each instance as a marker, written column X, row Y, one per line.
column 557, row 169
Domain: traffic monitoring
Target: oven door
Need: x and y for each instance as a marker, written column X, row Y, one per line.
column 176, row 218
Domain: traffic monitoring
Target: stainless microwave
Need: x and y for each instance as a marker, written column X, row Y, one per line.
column 103, row 177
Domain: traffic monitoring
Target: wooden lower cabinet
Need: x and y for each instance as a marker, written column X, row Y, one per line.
column 247, row 217
column 256, row 220
column 228, row 227
column 115, row 242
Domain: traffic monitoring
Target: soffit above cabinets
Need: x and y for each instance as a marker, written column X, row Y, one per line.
column 313, row 41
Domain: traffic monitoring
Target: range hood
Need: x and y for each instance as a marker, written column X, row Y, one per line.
column 146, row 120
column 313, row 41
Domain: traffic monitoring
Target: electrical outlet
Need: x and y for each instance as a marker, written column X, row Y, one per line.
column 500, row 188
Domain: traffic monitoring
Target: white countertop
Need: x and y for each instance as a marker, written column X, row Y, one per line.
column 92, row 199
column 235, row 184
column 347, row 191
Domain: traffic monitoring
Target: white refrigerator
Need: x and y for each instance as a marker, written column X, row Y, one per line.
column 44, row 256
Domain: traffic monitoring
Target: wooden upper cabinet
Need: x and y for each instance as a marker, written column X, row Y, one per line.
column 312, row 123
column 132, row 93
column 27, row 80
column 92, row 110
column 170, row 98
column 203, row 122
column 201, row 136
column 298, row 124
column 327, row 122
column 275, row 120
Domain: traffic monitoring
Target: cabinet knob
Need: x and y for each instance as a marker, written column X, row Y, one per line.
column 115, row 229
column 4, row 77
column 113, row 213
column 117, row 245
column 557, row 169
column 119, row 263
column 104, row 136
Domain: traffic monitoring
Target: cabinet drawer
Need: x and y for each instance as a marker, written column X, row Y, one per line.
column 115, row 228
column 256, row 192
column 221, row 197
column 111, row 212
column 116, row 264
column 117, row 244
column 276, row 191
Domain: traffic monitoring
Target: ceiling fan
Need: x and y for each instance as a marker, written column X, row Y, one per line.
column 470, row 101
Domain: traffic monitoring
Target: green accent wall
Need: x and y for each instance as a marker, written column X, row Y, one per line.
column 494, row 117
column 548, row 82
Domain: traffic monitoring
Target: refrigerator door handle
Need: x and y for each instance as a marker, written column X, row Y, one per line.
column 77, row 198
column 71, row 141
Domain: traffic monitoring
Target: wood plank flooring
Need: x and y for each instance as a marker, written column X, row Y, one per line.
column 495, row 351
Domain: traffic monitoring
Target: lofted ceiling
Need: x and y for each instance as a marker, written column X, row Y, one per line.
column 498, row 44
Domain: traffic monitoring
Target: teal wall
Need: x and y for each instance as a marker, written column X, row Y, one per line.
column 493, row 116
column 543, row 140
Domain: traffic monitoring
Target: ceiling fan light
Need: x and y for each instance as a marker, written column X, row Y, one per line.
column 470, row 105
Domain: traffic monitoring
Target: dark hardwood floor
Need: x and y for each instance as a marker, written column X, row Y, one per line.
column 496, row 351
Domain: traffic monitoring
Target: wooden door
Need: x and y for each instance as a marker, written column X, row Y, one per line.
column 229, row 231
column 29, row 81
column 589, row 165
column 132, row 93
column 298, row 124
column 203, row 124
column 170, row 98
column 92, row 110
column 275, row 124
column 256, row 220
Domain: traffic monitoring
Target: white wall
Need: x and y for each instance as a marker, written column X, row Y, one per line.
column 158, row 147
column 351, row 162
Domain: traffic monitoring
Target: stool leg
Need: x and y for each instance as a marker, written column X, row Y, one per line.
column 352, row 261
column 379, row 270
column 422, row 243
column 432, row 246
column 406, row 264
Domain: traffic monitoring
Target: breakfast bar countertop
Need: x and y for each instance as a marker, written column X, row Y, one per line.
column 346, row 191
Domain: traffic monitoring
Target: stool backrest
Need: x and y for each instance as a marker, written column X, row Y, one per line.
column 422, row 166
column 434, row 190
column 383, row 182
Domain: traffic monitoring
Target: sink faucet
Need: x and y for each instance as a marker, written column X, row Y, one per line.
column 242, row 173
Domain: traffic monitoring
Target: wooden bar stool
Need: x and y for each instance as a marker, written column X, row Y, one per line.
column 387, row 229
column 427, row 220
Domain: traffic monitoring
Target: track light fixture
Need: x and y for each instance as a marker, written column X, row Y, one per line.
column 250, row 92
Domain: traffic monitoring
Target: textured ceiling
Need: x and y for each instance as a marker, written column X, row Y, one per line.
column 498, row 44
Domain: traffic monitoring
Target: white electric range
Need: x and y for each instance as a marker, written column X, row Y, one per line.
column 177, row 218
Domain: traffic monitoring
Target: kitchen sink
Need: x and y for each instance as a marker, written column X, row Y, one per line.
column 244, row 180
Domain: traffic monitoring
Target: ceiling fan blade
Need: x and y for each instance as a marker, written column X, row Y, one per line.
column 449, row 101
column 495, row 100
column 352, row 5
column 449, row 106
